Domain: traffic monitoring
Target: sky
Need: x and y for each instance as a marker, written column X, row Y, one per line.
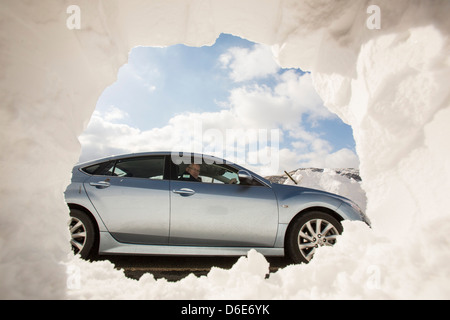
column 230, row 99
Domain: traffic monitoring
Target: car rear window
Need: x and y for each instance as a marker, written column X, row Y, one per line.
column 138, row 167
column 100, row 169
column 142, row 167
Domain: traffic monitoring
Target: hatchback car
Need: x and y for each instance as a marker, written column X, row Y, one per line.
column 165, row 203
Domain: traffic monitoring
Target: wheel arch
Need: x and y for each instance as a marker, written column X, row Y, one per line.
column 72, row 205
column 322, row 209
column 93, row 220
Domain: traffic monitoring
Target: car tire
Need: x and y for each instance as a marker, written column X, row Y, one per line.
column 310, row 231
column 82, row 233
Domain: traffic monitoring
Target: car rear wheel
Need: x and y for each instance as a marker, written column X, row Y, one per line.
column 82, row 233
column 309, row 232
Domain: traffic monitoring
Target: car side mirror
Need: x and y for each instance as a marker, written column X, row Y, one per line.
column 244, row 177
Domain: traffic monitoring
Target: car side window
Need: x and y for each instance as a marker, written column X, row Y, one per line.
column 211, row 173
column 215, row 173
column 100, row 169
column 140, row 167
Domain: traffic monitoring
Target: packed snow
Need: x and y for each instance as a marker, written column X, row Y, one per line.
column 387, row 76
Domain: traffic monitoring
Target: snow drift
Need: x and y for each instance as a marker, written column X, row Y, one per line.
column 390, row 84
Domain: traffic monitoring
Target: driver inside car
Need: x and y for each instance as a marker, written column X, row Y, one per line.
column 192, row 173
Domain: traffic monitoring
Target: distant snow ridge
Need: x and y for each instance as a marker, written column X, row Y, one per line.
column 345, row 182
column 347, row 172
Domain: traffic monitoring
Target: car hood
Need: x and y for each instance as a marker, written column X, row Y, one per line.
column 301, row 197
column 287, row 191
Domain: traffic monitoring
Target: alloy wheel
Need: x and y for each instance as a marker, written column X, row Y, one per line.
column 316, row 233
column 78, row 234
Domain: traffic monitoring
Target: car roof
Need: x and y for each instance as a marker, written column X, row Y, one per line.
column 151, row 153
column 166, row 153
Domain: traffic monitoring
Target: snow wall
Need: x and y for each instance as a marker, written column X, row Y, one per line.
column 387, row 76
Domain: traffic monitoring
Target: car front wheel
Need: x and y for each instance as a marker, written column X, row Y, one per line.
column 82, row 233
column 309, row 232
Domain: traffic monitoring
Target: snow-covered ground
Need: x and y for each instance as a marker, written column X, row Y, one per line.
column 389, row 83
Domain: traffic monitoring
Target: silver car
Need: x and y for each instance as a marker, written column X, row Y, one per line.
column 165, row 203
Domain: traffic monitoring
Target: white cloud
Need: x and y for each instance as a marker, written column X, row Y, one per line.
column 323, row 158
column 114, row 114
column 250, row 110
column 316, row 153
column 247, row 64
column 283, row 106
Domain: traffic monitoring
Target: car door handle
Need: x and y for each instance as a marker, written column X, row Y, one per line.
column 184, row 191
column 100, row 184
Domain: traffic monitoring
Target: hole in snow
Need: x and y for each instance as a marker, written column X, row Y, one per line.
column 163, row 94
column 383, row 71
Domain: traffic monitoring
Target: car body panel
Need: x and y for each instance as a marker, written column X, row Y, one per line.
column 134, row 210
column 293, row 199
column 76, row 197
column 223, row 215
column 143, row 216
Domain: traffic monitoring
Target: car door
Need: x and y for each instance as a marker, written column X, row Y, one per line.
column 217, row 213
column 132, row 199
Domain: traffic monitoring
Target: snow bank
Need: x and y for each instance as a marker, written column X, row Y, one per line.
column 390, row 84
column 331, row 180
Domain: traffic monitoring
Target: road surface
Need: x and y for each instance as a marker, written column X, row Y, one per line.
column 174, row 268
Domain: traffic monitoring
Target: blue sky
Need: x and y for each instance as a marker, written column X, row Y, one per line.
column 234, row 84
